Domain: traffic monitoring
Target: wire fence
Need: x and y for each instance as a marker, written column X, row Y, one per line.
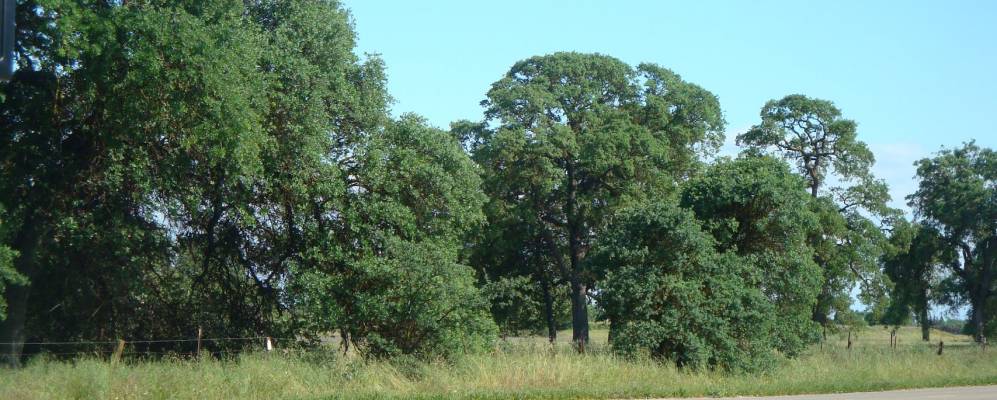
column 83, row 342
column 219, row 346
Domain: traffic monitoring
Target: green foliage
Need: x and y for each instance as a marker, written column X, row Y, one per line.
column 576, row 137
column 517, row 305
column 757, row 208
column 812, row 134
column 8, row 275
column 186, row 162
column 669, row 293
column 722, row 284
column 850, row 319
column 231, row 166
column 411, row 299
column 414, row 182
column 956, row 197
column 105, row 122
column 912, row 264
column 393, row 285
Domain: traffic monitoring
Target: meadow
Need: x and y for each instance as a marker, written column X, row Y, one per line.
column 517, row 368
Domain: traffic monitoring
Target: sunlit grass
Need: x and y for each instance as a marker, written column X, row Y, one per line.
column 520, row 368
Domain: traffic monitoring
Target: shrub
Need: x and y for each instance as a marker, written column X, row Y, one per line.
column 669, row 294
column 413, row 299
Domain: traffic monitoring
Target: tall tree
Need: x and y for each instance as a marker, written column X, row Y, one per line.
column 385, row 270
column 957, row 196
column 812, row 134
column 912, row 265
column 172, row 157
column 72, row 181
column 579, row 135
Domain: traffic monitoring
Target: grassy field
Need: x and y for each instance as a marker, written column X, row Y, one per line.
column 518, row 368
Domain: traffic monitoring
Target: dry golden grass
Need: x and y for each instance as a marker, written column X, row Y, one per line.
column 521, row 368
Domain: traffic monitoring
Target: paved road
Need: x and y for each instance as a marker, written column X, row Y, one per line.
column 954, row 393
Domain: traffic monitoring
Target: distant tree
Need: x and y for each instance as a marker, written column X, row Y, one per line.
column 852, row 321
column 521, row 307
column 956, row 196
column 812, row 134
column 527, row 290
column 913, row 265
column 577, row 136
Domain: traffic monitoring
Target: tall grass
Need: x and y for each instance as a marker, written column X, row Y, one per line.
column 516, row 369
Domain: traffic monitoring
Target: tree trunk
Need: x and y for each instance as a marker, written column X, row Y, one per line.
column 814, row 178
column 925, row 323
column 579, row 313
column 819, row 314
column 12, row 332
column 579, row 292
column 978, row 321
column 548, row 307
column 12, row 329
column 579, row 297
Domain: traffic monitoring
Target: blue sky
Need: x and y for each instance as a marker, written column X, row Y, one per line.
column 915, row 75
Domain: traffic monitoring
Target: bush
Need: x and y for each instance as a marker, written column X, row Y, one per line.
column 757, row 208
column 414, row 299
column 670, row 295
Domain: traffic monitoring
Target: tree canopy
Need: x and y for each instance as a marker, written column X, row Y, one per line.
column 188, row 162
column 575, row 137
column 812, row 134
column 757, row 208
column 233, row 167
column 669, row 293
column 957, row 197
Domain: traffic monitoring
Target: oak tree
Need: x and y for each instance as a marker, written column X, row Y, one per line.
column 575, row 136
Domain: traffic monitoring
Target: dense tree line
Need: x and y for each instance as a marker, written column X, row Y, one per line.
column 233, row 166
column 227, row 165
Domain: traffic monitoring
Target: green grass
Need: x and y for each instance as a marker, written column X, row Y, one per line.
column 519, row 368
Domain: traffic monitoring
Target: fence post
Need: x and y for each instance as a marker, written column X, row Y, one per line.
column 849, row 339
column 118, row 351
column 200, row 333
column 269, row 344
column 941, row 346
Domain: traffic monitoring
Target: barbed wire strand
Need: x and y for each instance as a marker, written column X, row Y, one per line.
column 142, row 341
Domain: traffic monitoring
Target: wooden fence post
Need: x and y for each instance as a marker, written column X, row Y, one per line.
column 118, row 352
column 849, row 339
column 941, row 346
column 269, row 344
column 200, row 333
